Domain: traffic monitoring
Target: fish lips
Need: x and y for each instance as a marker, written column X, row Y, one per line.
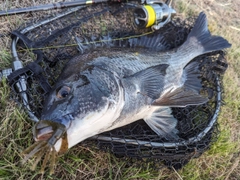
column 44, row 129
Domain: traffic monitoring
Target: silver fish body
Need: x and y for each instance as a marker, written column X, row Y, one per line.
column 110, row 88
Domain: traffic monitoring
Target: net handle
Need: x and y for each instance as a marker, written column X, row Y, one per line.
column 21, row 85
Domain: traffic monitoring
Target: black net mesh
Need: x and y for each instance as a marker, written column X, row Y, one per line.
column 111, row 25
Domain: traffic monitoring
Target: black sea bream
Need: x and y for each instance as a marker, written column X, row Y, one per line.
column 109, row 88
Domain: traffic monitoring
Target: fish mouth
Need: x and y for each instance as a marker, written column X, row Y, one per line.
column 44, row 129
column 42, row 133
column 46, row 134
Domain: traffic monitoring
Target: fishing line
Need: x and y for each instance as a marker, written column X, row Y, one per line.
column 91, row 42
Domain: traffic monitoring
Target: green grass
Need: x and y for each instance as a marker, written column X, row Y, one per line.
column 5, row 57
column 221, row 161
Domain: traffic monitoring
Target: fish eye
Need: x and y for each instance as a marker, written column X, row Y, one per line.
column 63, row 92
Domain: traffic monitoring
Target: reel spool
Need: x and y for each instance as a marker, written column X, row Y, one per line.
column 154, row 13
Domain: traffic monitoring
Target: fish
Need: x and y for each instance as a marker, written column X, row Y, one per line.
column 109, row 88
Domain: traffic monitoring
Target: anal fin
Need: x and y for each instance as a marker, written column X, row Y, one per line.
column 163, row 123
column 181, row 97
column 188, row 94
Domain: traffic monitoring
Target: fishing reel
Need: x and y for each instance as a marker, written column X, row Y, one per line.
column 154, row 14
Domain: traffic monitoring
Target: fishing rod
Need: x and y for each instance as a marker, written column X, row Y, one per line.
column 149, row 13
column 45, row 7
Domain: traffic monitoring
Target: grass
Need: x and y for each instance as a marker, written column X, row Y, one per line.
column 221, row 161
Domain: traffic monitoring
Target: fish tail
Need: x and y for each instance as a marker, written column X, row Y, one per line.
column 205, row 40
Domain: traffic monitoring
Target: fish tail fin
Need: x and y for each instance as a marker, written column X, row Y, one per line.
column 200, row 35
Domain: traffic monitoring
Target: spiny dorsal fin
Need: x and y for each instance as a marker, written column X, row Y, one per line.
column 155, row 41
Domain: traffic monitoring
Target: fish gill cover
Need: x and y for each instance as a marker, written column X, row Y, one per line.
column 107, row 26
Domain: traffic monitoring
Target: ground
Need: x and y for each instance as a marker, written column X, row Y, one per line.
column 221, row 161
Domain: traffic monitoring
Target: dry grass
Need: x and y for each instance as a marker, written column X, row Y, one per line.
column 220, row 162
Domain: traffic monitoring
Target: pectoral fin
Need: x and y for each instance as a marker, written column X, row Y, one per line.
column 180, row 97
column 150, row 81
column 163, row 123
